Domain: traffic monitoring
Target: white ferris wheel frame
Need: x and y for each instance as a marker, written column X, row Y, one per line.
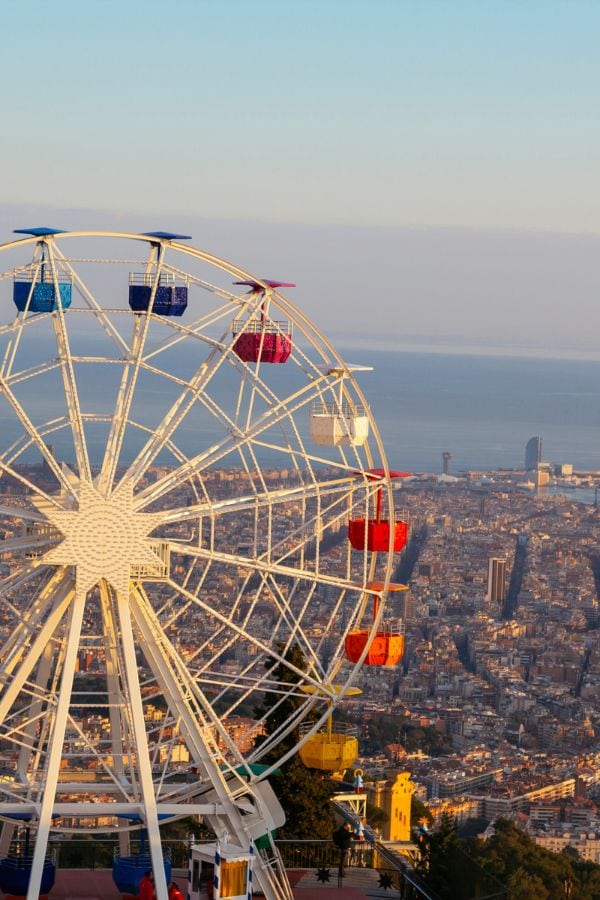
column 53, row 621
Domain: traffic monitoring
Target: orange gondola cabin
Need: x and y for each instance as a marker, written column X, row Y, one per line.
column 387, row 646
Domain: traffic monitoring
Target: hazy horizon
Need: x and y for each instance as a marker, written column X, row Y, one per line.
column 442, row 290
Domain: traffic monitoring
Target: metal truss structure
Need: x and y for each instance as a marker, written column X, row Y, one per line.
column 170, row 533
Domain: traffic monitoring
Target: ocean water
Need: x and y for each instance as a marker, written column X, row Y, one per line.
column 480, row 409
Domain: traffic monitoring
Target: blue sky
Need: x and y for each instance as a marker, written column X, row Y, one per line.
column 477, row 114
column 444, row 117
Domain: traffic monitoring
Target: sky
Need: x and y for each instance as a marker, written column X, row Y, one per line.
column 427, row 171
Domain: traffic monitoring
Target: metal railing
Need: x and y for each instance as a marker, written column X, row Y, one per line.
column 401, row 880
column 347, row 728
column 339, row 410
column 147, row 279
column 99, row 854
column 41, row 275
column 256, row 326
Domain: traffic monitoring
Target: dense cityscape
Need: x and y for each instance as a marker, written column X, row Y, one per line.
column 493, row 709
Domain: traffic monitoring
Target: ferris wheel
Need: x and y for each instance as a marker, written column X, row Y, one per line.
column 193, row 498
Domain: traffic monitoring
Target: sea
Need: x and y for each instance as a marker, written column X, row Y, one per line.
column 481, row 409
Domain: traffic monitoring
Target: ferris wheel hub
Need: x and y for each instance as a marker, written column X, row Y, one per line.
column 103, row 539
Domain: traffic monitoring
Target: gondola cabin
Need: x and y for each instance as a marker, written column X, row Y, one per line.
column 335, row 425
column 167, row 298
column 220, row 871
column 387, row 646
column 39, row 292
column 339, row 422
column 329, row 750
column 377, row 534
column 262, row 340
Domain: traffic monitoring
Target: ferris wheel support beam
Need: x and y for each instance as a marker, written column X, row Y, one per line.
column 29, row 730
column 56, row 743
column 35, row 708
column 141, row 746
column 115, row 697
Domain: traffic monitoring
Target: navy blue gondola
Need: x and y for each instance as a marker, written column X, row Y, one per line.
column 128, row 871
column 15, row 872
column 41, row 293
column 171, row 296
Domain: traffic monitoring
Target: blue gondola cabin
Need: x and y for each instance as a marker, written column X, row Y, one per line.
column 170, row 298
column 38, row 294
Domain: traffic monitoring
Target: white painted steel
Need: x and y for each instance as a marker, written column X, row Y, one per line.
column 186, row 532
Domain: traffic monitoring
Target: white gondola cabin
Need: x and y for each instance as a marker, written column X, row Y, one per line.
column 339, row 423
column 220, row 871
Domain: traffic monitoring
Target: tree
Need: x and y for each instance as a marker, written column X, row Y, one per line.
column 419, row 813
column 524, row 886
column 376, row 816
column 443, row 866
column 303, row 793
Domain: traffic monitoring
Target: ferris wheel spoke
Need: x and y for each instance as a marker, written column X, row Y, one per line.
column 22, row 512
column 226, row 446
column 91, row 301
column 176, row 679
column 27, row 622
column 303, row 677
column 195, row 330
column 175, row 416
column 62, row 599
column 15, row 330
column 130, row 375
column 343, row 488
column 36, row 439
column 291, row 620
column 263, row 565
column 123, row 404
column 68, row 375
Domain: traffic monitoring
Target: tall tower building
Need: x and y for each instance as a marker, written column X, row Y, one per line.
column 533, row 452
column 446, row 460
column 496, row 591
